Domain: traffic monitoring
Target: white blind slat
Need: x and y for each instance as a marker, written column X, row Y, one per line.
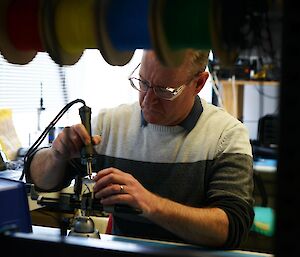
column 20, row 85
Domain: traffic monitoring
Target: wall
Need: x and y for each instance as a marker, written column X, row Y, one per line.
column 259, row 101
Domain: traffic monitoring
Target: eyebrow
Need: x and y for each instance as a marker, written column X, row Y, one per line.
column 160, row 86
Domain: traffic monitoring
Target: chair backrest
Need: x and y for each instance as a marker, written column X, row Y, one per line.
column 268, row 130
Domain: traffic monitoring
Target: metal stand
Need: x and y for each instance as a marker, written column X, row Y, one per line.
column 84, row 226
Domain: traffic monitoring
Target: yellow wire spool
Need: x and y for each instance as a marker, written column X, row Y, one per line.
column 49, row 35
column 75, row 25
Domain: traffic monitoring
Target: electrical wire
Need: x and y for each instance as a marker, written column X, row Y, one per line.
column 261, row 92
column 40, row 139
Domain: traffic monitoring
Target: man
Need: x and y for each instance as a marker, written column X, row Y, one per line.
column 184, row 163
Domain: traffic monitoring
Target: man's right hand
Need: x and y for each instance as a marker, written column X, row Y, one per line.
column 70, row 141
column 48, row 165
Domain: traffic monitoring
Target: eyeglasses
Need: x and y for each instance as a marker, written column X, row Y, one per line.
column 166, row 93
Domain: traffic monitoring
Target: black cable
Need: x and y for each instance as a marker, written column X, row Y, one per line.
column 262, row 93
column 40, row 139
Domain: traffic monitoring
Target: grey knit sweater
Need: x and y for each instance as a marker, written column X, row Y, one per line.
column 208, row 164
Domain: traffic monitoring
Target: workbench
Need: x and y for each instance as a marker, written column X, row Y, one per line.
column 45, row 241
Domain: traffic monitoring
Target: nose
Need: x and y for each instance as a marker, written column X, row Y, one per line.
column 150, row 96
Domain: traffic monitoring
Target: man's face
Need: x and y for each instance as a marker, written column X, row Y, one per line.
column 160, row 111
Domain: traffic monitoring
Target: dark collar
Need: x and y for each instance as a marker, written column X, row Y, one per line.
column 190, row 121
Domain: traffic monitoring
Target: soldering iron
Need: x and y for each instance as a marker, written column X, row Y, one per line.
column 87, row 151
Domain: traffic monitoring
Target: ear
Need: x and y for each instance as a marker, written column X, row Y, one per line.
column 201, row 80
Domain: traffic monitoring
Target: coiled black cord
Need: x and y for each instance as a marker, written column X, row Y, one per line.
column 40, row 139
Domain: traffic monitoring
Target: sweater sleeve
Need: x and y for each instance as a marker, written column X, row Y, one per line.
column 230, row 187
column 240, row 215
column 73, row 168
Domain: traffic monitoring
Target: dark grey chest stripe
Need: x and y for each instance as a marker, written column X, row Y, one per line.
column 181, row 182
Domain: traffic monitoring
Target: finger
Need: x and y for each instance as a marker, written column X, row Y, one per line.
column 117, row 199
column 111, row 178
column 105, row 172
column 122, row 189
column 111, row 190
column 96, row 139
column 83, row 134
column 72, row 140
column 60, row 145
column 68, row 143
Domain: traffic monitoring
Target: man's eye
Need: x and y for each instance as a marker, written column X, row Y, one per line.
column 142, row 83
column 161, row 89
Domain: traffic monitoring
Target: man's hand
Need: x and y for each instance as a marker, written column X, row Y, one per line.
column 48, row 165
column 69, row 142
column 114, row 186
column 204, row 226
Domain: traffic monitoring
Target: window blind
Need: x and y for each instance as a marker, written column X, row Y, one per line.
column 22, row 86
column 21, row 90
